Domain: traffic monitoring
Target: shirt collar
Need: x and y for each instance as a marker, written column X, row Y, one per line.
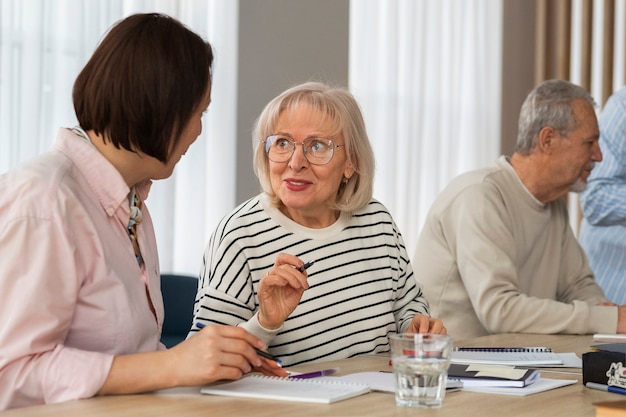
column 102, row 177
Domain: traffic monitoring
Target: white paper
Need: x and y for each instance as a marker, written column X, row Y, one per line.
column 541, row 385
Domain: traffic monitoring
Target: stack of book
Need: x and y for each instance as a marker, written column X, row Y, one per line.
column 492, row 375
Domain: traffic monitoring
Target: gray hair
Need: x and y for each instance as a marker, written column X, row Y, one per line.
column 549, row 104
column 342, row 109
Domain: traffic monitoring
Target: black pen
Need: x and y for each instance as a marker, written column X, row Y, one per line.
column 258, row 351
column 306, row 265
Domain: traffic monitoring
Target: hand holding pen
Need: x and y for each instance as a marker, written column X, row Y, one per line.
column 216, row 353
column 259, row 352
column 280, row 290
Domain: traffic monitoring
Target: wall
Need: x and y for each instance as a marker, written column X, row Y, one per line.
column 271, row 34
column 518, row 60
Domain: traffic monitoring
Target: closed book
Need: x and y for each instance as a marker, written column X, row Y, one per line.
column 605, row 367
column 492, row 376
column 611, row 347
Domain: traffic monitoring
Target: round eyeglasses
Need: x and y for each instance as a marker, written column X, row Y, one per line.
column 318, row 151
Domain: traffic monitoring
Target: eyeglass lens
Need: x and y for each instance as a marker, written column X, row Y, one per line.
column 318, row 151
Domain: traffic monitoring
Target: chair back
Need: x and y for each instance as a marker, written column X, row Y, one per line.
column 179, row 294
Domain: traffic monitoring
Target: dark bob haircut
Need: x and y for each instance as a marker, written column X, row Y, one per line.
column 143, row 83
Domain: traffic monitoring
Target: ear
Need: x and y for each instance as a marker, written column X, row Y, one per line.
column 348, row 171
column 546, row 140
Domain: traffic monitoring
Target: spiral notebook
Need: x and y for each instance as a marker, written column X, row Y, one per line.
column 285, row 389
column 503, row 349
column 501, row 357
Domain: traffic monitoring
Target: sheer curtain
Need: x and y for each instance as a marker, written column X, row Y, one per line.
column 43, row 46
column 427, row 74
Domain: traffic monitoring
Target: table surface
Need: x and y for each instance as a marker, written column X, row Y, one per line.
column 570, row 401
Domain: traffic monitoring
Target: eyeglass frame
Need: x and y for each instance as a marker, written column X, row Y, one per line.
column 291, row 140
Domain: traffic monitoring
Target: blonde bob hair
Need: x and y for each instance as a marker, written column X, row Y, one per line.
column 339, row 106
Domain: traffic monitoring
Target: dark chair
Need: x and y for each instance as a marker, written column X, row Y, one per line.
column 179, row 293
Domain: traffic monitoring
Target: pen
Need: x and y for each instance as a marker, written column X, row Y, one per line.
column 608, row 388
column 315, row 374
column 305, row 266
column 258, row 351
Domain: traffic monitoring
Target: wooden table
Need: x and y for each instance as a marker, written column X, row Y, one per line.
column 570, row 401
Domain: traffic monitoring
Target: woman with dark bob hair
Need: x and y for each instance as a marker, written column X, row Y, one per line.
column 316, row 168
column 80, row 296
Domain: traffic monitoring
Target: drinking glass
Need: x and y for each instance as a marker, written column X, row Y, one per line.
column 420, row 366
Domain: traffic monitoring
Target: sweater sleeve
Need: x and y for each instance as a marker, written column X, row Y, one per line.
column 37, row 302
column 410, row 299
column 225, row 293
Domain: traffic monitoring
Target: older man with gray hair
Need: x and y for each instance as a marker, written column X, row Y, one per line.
column 497, row 254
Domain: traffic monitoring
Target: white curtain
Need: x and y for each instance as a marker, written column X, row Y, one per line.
column 43, row 46
column 427, row 74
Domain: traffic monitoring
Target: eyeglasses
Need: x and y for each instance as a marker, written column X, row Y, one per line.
column 318, row 151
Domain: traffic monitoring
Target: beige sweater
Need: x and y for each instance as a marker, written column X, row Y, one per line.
column 493, row 259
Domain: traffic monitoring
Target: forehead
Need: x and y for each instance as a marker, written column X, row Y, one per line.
column 586, row 120
column 305, row 116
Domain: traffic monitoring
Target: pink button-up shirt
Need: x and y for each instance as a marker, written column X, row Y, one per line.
column 71, row 292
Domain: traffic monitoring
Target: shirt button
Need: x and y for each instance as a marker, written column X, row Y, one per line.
column 110, row 211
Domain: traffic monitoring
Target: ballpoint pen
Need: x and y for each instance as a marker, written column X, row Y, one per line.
column 607, row 388
column 305, row 266
column 315, row 374
column 258, row 351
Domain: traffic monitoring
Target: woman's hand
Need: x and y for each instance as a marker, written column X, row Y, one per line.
column 280, row 291
column 214, row 353
column 425, row 324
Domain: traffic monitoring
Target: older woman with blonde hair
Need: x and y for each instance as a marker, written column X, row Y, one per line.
column 315, row 165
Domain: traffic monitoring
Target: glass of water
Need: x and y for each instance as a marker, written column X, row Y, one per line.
column 420, row 366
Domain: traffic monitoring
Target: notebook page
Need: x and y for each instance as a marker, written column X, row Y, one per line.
column 285, row 389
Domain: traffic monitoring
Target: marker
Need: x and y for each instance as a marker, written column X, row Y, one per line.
column 258, row 351
column 305, row 266
column 607, row 388
column 315, row 374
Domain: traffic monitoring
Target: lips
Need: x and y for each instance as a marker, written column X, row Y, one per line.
column 296, row 184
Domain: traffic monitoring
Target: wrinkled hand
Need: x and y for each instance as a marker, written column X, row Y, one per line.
column 280, row 291
column 425, row 324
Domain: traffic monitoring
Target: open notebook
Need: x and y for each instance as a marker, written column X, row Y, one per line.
column 285, row 389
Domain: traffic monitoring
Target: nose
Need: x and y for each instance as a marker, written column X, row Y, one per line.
column 596, row 154
column 298, row 159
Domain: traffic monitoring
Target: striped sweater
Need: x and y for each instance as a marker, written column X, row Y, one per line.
column 362, row 286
